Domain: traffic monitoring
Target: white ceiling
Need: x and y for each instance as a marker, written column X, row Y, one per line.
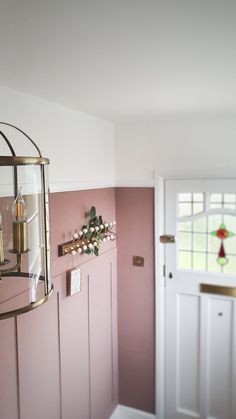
column 122, row 59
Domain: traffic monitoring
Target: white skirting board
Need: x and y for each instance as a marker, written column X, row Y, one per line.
column 123, row 412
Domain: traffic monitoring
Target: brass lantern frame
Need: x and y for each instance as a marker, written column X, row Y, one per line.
column 15, row 271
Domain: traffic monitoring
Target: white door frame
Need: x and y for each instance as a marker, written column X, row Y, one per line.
column 160, row 321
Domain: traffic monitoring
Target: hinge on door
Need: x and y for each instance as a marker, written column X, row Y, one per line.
column 164, row 271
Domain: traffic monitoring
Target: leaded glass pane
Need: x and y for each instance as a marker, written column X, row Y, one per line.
column 207, row 242
column 213, row 245
column 199, row 261
column 187, row 226
column 189, row 203
column 212, row 265
column 185, row 209
column 199, row 225
column 229, row 205
column 185, row 260
column 185, row 197
column 185, row 241
column 216, row 206
column 230, row 268
column 214, row 222
column 227, row 200
column 198, row 197
column 230, row 246
column 199, row 242
column 197, row 207
column 230, row 198
column 230, row 222
column 216, row 197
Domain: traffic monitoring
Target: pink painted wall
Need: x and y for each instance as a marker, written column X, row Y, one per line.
column 60, row 361
column 67, row 212
column 136, row 305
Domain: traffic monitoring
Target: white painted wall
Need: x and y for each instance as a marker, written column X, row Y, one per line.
column 80, row 146
column 186, row 145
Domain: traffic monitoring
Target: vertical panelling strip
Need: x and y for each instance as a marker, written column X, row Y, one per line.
column 17, row 368
column 232, row 328
column 112, row 336
column 177, row 355
column 89, row 349
column 233, row 404
column 59, row 351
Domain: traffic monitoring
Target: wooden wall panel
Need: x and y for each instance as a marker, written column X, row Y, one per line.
column 39, row 362
column 136, row 297
column 67, row 349
column 74, row 338
column 8, row 370
column 114, row 313
column 101, row 333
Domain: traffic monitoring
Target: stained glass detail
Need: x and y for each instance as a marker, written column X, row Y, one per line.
column 222, row 233
column 202, row 235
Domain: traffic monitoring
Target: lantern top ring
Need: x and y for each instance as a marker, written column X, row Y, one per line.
column 22, row 161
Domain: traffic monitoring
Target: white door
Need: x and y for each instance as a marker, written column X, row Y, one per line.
column 200, row 299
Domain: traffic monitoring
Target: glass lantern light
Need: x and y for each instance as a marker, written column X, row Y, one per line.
column 24, row 224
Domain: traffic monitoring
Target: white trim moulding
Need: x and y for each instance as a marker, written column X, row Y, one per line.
column 135, row 184
column 79, row 186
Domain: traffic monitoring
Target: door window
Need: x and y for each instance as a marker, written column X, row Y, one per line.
column 206, row 235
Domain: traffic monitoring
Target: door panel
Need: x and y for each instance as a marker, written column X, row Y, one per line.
column 188, row 353
column 200, row 327
column 219, row 353
column 182, row 354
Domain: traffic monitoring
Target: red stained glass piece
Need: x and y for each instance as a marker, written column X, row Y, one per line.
column 222, row 251
column 222, row 233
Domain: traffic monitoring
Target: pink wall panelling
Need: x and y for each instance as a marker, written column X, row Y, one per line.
column 64, row 354
column 103, row 338
column 66, row 351
column 74, row 342
column 136, row 304
column 68, row 213
column 56, row 352
column 38, row 352
column 88, row 342
column 8, row 367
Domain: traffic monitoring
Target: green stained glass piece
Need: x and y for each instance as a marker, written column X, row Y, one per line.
column 214, row 233
column 222, row 233
column 222, row 261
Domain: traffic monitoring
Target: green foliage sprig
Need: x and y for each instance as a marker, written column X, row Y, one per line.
column 91, row 235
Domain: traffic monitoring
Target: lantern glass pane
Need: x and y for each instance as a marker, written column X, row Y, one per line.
column 30, row 281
